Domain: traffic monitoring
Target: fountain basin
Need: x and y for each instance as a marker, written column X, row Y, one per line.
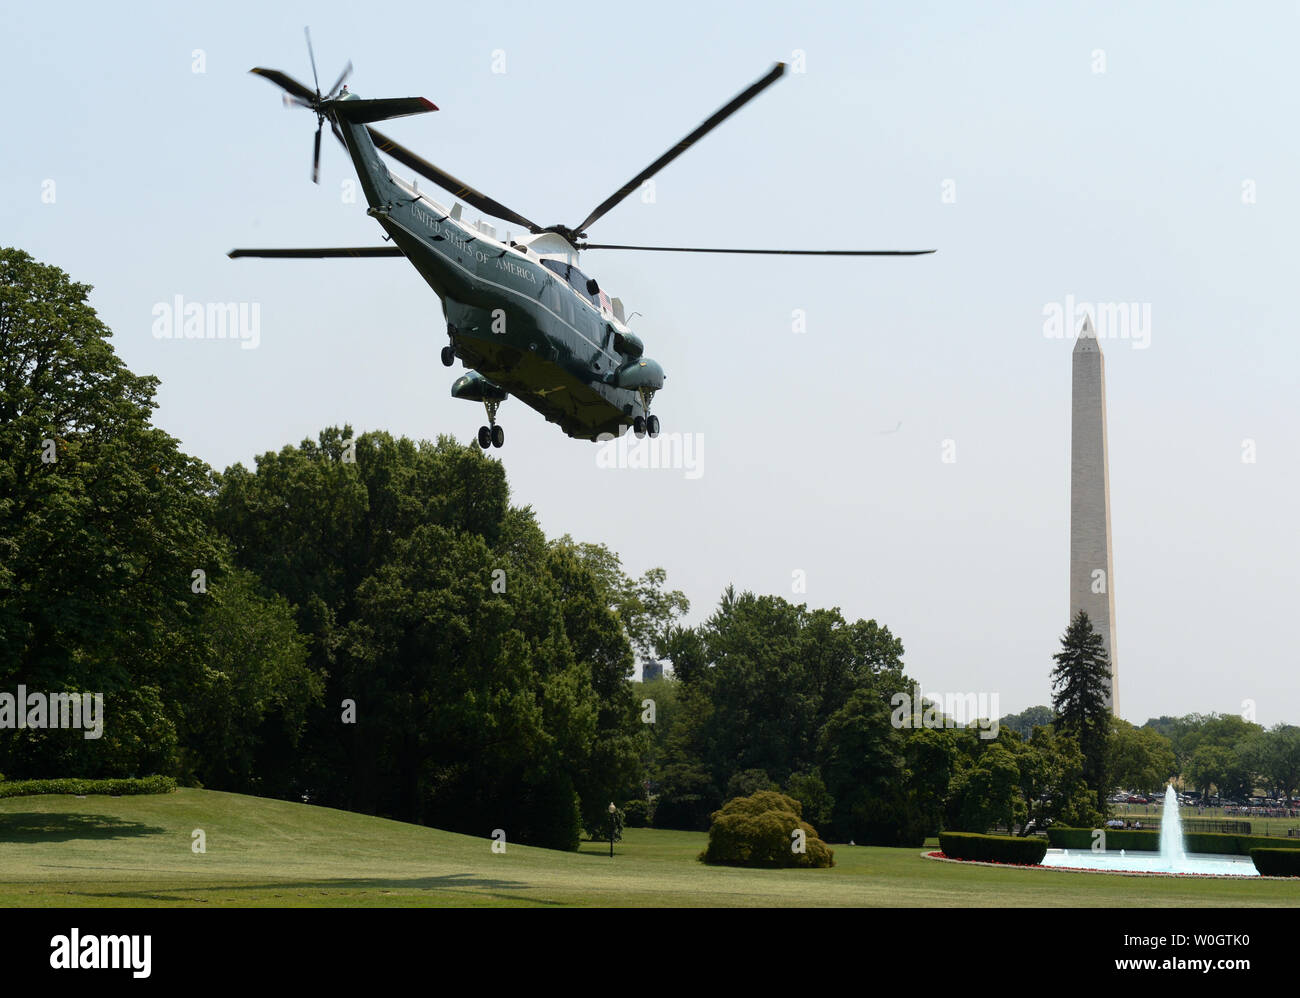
column 1190, row 864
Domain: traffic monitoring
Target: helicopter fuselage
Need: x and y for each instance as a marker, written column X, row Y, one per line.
column 518, row 314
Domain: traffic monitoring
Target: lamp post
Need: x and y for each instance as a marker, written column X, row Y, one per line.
column 612, row 812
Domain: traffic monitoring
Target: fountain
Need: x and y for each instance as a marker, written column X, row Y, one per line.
column 1172, row 857
column 1172, row 854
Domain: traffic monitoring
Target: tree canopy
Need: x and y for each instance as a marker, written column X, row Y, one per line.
column 369, row 622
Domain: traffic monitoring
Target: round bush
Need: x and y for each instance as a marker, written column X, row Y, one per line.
column 760, row 831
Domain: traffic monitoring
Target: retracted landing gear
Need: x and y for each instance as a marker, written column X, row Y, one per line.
column 641, row 425
column 491, row 435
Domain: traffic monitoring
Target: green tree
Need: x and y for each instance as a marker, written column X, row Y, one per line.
column 1079, row 684
column 863, row 763
column 1052, row 781
column 1140, row 758
column 251, row 683
column 1214, row 767
column 1188, row 733
column 647, row 610
column 776, row 674
column 808, row 788
column 929, row 756
column 108, row 550
column 1275, row 756
column 748, row 782
column 687, row 797
column 1027, row 720
column 487, row 674
column 989, row 792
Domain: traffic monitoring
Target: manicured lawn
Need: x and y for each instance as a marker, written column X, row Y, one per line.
column 135, row 851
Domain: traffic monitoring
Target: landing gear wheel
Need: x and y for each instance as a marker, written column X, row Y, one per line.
column 448, row 356
column 491, row 435
column 646, row 422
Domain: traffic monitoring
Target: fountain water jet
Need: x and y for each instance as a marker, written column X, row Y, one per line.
column 1172, row 854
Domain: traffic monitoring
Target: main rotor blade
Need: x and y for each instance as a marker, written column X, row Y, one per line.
column 312, row 55
column 718, row 117
column 313, row 254
column 450, row 184
column 347, row 70
column 286, row 82
column 780, row 252
column 315, row 156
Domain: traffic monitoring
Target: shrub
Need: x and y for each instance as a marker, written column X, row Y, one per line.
column 759, row 831
column 116, row 788
column 1244, row 844
column 598, row 830
column 636, row 814
column 993, row 848
column 1138, row 839
column 1283, row 862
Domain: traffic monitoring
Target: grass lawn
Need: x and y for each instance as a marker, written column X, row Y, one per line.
column 135, row 852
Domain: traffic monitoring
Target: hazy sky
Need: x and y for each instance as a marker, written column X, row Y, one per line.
column 1144, row 158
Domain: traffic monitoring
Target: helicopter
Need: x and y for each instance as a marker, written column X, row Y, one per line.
column 521, row 316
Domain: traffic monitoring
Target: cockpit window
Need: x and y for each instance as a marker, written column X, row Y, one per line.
column 576, row 278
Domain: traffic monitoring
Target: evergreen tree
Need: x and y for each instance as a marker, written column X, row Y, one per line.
column 1079, row 684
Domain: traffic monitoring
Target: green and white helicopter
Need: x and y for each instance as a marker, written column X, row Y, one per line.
column 521, row 316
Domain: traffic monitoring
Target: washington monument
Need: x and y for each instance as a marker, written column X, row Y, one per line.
column 1092, row 587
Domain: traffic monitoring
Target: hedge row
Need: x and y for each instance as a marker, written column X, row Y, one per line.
column 116, row 788
column 993, row 848
column 1116, row 838
column 1276, row 862
column 1149, row 841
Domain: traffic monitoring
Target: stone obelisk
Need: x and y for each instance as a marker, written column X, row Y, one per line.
column 1092, row 580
